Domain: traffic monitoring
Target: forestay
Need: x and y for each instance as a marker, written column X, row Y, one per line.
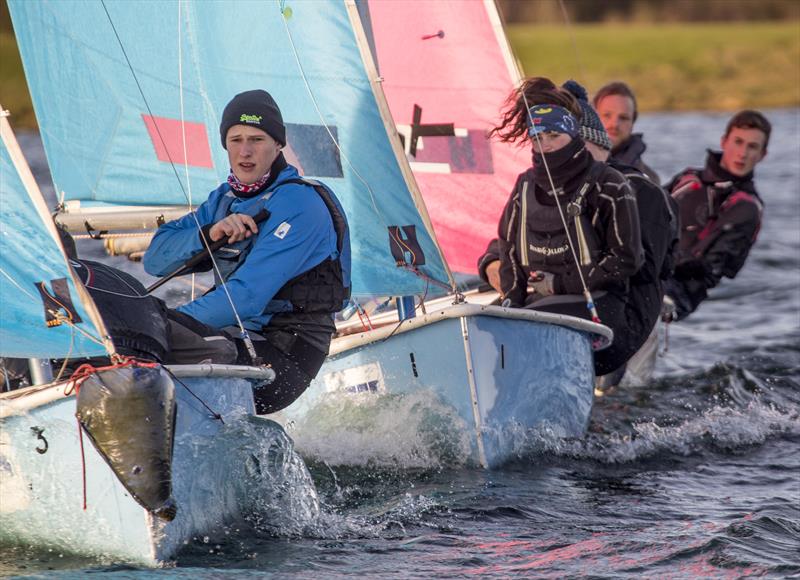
column 128, row 96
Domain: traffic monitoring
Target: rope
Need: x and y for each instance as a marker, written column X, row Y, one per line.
column 214, row 414
column 360, row 311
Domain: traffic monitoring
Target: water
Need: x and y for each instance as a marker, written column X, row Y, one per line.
column 697, row 475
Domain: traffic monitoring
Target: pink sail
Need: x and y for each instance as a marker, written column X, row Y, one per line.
column 447, row 71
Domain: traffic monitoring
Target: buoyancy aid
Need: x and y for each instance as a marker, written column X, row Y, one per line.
column 544, row 244
column 658, row 223
column 702, row 202
column 324, row 288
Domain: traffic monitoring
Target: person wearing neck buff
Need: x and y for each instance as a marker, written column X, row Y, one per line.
column 287, row 275
column 658, row 224
column 720, row 212
column 531, row 261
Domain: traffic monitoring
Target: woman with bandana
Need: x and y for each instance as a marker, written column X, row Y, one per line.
column 539, row 259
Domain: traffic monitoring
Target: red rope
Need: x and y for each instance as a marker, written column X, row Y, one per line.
column 361, row 315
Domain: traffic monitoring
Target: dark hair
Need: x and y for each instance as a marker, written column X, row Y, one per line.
column 749, row 119
column 616, row 88
column 534, row 91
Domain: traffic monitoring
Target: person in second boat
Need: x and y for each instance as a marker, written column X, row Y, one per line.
column 720, row 213
column 284, row 277
column 658, row 224
column 616, row 105
column 537, row 254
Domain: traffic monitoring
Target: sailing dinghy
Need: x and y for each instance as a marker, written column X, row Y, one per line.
column 444, row 68
column 119, row 461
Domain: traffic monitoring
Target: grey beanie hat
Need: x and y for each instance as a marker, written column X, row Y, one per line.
column 255, row 109
column 591, row 127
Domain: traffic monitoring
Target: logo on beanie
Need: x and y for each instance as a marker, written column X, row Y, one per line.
column 250, row 119
column 542, row 111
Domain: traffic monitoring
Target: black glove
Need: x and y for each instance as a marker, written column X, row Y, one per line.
column 691, row 270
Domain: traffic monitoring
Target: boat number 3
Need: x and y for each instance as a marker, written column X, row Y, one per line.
column 38, row 432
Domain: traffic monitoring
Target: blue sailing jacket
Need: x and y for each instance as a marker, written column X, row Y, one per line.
column 298, row 235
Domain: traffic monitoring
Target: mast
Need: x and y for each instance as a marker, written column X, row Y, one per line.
column 514, row 68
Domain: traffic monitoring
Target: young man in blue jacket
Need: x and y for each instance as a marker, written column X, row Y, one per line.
column 284, row 277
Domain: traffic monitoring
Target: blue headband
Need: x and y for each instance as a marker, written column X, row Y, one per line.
column 552, row 118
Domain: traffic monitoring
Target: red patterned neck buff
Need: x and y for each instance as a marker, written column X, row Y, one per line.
column 240, row 187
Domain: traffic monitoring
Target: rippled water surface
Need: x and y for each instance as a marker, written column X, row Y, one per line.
column 695, row 475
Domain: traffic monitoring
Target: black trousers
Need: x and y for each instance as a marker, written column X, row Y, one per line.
column 295, row 363
column 294, row 360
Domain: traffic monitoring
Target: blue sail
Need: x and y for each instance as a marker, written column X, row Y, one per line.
column 33, row 267
column 128, row 96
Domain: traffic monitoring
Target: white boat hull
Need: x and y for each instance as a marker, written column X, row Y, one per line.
column 503, row 372
column 42, row 467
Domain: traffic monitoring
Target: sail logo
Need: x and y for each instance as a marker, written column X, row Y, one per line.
column 250, row 118
column 542, row 111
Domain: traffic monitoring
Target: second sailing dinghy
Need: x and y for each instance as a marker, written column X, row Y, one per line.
column 498, row 372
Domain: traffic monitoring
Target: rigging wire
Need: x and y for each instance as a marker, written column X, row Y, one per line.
column 314, row 102
column 183, row 123
column 572, row 38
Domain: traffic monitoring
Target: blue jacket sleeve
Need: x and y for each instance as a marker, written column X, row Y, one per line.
column 177, row 241
column 277, row 256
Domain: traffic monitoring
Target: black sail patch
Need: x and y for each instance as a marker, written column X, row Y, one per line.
column 404, row 246
column 57, row 302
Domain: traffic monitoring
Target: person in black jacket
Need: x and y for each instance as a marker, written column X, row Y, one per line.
column 537, row 259
column 720, row 212
column 616, row 105
column 658, row 223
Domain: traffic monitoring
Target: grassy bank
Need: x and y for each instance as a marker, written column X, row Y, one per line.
column 14, row 94
column 674, row 67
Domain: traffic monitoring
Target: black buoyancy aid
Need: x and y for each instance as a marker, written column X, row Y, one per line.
column 543, row 243
column 323, row 288
column 701, row 203
column 658, row 223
